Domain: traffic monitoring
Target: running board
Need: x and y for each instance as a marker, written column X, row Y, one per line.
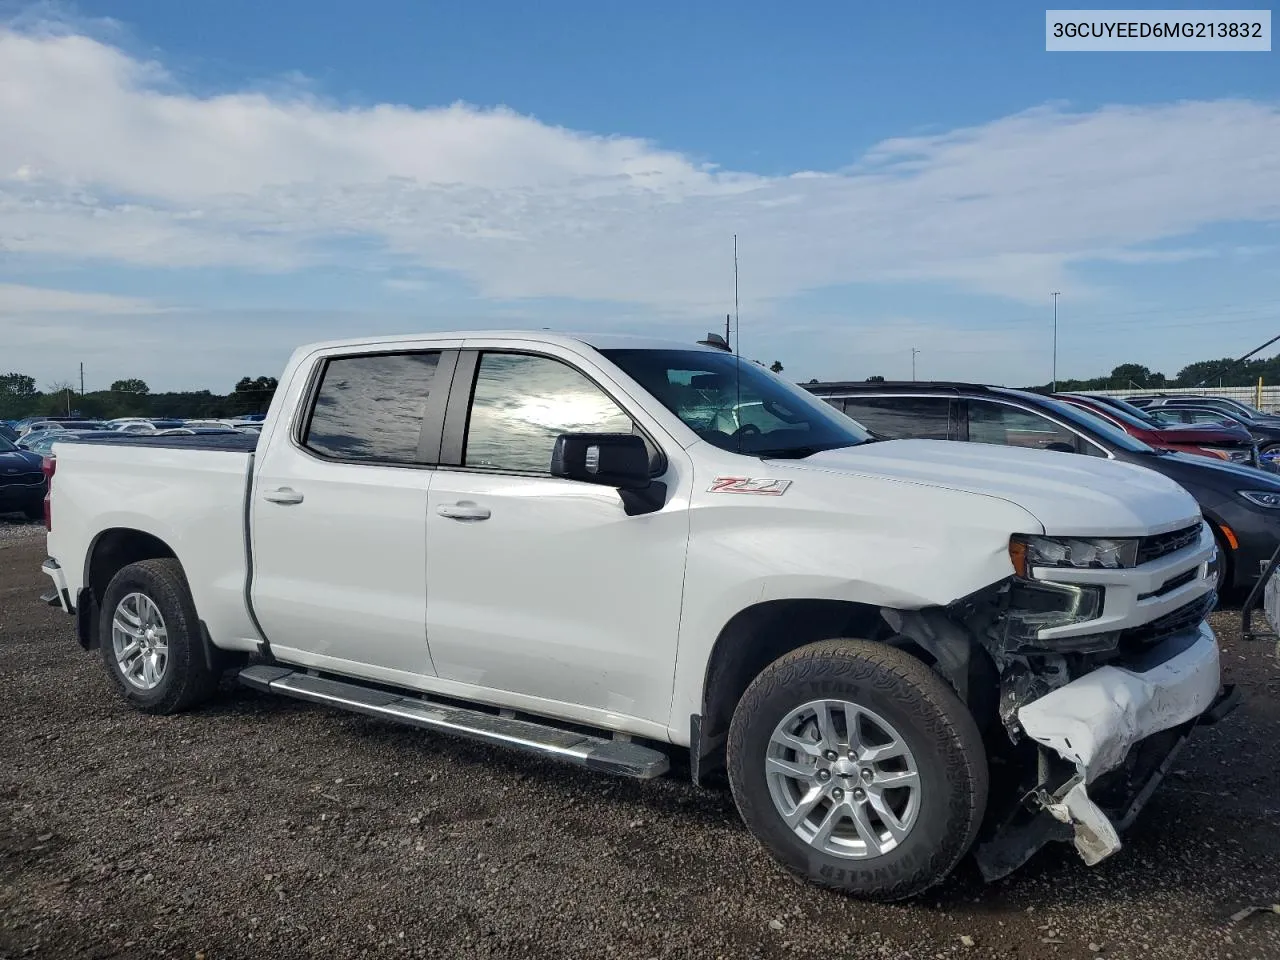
column 619, row 757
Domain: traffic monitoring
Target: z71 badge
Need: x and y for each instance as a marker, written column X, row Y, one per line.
column 764, row 488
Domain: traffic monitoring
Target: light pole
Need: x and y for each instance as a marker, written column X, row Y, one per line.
column 1056, row 294
column 914, row 351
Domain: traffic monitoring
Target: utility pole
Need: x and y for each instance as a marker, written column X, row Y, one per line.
column 82, row 378
column 914, row 351
column 1056, row 294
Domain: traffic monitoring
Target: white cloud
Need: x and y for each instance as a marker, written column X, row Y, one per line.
column 105, row 157
column 20, row 300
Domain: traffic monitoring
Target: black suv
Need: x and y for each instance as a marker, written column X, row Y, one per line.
column 1161, row 402
column 1241, row 503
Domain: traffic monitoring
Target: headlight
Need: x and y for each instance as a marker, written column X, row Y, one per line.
column 1263, row 498
column 1031, row 551
column 1234, row 454
column 1035, row 606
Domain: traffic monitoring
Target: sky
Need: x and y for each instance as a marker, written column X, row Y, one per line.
column 189, row 191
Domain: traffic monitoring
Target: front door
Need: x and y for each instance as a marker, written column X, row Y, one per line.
column 339, row 521
column 540, row 586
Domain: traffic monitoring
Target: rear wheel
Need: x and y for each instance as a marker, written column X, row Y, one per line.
column 858, row 768
column 150, row 638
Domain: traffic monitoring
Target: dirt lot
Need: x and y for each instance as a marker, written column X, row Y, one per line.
column 260, row 827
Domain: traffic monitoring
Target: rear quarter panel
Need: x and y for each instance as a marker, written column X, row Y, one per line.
column 192, row 500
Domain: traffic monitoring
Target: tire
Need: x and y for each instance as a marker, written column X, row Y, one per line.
column 1225, row 573
column 892, row 691
column 34, row 513
column 182, row 678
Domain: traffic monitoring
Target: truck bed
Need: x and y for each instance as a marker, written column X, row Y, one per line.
column 187, row 492
column 231, row 442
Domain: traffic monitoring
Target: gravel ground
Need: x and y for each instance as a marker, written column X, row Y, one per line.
column 17, row 527
column 262, row 827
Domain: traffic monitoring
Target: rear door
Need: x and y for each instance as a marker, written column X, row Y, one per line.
column 339, row 515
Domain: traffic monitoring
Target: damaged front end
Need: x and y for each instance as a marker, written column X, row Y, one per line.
column 1105, row 665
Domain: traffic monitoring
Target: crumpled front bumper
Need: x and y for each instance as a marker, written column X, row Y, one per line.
column 1094, row 722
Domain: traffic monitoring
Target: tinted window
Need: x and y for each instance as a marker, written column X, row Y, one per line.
column 1145, row 417
column 898, row 418
column 370, row 408
column 738, row 406
column 1116, row 416
column 522, row 403
column 1205, row 416
column 1095, row 428
column 991, row 422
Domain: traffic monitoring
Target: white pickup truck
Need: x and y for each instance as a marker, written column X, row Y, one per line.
column 615, row 551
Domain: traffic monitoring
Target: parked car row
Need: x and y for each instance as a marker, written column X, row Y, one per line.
column 24, row 443
column 1211, row 461
column 22, row 483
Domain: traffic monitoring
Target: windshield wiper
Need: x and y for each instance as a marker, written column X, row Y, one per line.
column 799, row 453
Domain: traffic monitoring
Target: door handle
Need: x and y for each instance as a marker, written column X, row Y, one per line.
column 284, row 495
column 463, row 510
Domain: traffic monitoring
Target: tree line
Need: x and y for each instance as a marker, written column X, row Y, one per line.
column 20, row 397
column 1226, row 372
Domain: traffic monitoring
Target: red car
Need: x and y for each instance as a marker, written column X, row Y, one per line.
column 1220, row 441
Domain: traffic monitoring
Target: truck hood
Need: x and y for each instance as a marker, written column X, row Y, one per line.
column 19, row 461
column 1069, row 493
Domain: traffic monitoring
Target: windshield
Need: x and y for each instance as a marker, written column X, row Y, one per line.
column 1245, row 408
column 1148, row 418
column 1121, row 414
column 738, row 406
column 7, row 446
column 1099, row 428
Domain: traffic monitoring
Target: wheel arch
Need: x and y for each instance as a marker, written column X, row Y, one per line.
column 110, row 552
column 761, row 633
column 754, row 638
column 1228, row 544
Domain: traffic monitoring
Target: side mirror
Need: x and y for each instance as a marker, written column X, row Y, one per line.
column 609, row 459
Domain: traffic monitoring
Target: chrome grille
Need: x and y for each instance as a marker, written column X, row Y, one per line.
column 1186, row 617
column 21, row 479
column 1163, row 544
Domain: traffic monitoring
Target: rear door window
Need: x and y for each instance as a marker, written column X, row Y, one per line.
column 899, row 418
column 369, row 408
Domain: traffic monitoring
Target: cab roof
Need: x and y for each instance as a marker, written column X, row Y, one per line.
column 600, row 341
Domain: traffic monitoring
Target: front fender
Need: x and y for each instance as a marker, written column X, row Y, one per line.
column 906, row 549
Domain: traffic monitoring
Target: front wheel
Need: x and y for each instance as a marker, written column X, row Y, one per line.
column 858, row 768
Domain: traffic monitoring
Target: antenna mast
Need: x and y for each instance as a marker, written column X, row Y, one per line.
column 737, row 351
column 737, row 328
